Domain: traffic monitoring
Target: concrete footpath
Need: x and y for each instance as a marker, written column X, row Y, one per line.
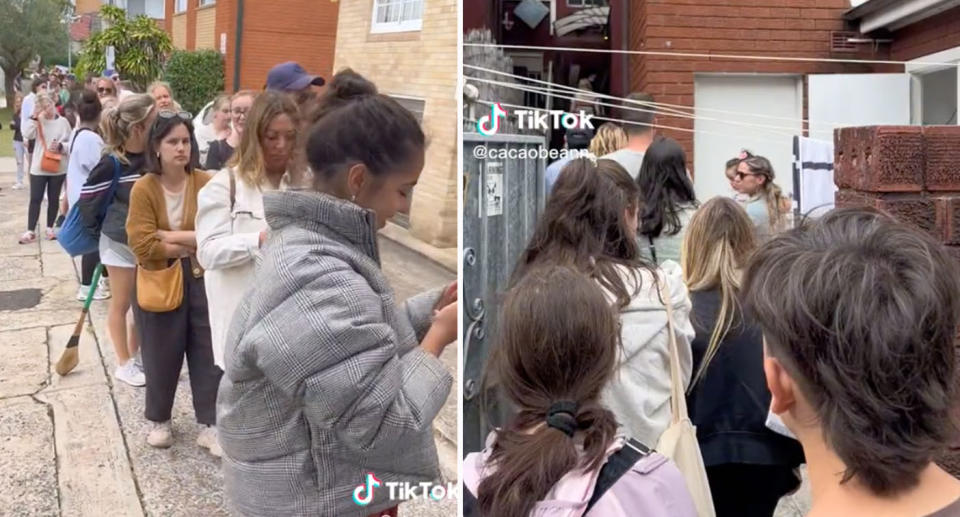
column 75, row 446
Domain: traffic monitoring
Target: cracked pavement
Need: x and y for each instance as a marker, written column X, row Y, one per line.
column 75, row 446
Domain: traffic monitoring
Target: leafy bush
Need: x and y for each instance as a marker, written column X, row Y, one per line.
column 140, row 46
column 195, row 76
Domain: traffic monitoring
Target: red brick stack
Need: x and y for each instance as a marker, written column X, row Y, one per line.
column 912, row 172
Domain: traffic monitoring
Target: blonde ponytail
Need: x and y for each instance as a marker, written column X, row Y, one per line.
column 773, row 196
column 116, row 124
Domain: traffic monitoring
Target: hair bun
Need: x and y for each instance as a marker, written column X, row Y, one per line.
column 348, row 85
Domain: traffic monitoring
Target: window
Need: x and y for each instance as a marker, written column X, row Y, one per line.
column 207, row 2
column 180, row 6
column 413, row 105
column 397, row 15
column 938, row 97
column 586, row 3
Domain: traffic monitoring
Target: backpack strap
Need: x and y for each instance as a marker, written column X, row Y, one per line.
column 233, row 188
column 75, row 135
column 618, row 464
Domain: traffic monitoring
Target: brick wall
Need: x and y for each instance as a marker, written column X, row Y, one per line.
column 928, row 36
column 912, row 173
column 795, row 28
column 296, row 30
column 421, row 64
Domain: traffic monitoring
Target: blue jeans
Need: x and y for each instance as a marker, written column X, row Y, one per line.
column 18, row 151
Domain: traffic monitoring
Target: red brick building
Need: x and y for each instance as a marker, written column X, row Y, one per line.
column 254, row 35
column 734, row 103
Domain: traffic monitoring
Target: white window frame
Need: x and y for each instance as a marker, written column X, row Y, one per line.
column 398, row 26
column 582, row 4
column 204, row 3
column 180, row 6
column 414, row 99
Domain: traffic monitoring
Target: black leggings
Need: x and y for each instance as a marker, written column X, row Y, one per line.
column 39, row 183
column 88, row 263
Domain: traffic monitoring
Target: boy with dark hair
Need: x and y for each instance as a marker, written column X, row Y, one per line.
column 639, row 128
column 859, row 315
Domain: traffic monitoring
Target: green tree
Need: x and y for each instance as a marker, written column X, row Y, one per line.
column 140, row 47
column 195, row 76
column 29, row 28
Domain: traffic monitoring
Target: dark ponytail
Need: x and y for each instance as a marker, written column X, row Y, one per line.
column 557, row 350
column 353, row 123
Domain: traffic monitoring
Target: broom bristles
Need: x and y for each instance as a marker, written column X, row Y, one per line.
column 70, row 357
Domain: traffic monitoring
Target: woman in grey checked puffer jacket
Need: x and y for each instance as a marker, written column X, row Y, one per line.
column 327, row 379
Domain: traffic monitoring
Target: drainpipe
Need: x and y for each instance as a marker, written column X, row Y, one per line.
column 238, row 45
column 625, row 69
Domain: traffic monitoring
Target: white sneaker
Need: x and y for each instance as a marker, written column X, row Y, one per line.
column 130, row 374
column 208, row 440
column 99, row 294
column 104, row 286
column 160, row 436
column 18, row 186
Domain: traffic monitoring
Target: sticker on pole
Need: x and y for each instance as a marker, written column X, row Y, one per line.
column 111, row 59
column 491, row 202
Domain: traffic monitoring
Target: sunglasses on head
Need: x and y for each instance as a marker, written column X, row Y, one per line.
column 171, row 114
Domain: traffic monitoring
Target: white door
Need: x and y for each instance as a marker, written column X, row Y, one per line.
column 760, row 113
column 842, row 100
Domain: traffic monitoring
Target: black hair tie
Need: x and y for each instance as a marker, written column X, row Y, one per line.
column 562, row 415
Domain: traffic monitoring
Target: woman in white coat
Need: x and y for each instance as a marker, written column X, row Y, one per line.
column 590, row 223
column 230, row 224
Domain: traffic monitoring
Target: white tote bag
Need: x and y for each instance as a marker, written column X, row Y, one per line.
column 679, row 441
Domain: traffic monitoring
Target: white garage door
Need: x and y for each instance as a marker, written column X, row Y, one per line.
column 730, row 110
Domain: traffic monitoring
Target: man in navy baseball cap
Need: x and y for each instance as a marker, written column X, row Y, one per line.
column 291, row 77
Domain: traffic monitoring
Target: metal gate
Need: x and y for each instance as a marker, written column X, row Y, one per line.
column 502, row 200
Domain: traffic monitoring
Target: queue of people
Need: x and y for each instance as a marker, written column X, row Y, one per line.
column 763, row 318
column 241, row 269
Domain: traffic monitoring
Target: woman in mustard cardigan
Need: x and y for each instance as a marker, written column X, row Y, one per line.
column 171, row 308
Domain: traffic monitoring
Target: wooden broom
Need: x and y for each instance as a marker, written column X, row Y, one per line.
column 71, row 354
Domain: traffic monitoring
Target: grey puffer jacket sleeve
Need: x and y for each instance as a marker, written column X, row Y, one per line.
column 419, row 310
column 354, row 377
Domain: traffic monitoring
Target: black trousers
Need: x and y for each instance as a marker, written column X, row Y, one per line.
column 39, row 183
column 741, row 490
column 165, row 338
column 88, row 263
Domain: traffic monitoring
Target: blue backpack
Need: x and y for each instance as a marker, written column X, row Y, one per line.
column 74, row 236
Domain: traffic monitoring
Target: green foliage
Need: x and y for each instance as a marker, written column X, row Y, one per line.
column 195, row 76
column 30, row 28
column 140, row 47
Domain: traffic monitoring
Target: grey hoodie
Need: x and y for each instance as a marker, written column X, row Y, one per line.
column 325, row 380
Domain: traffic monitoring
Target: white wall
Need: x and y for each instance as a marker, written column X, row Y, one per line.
column 755, row 98
column 842, row 100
